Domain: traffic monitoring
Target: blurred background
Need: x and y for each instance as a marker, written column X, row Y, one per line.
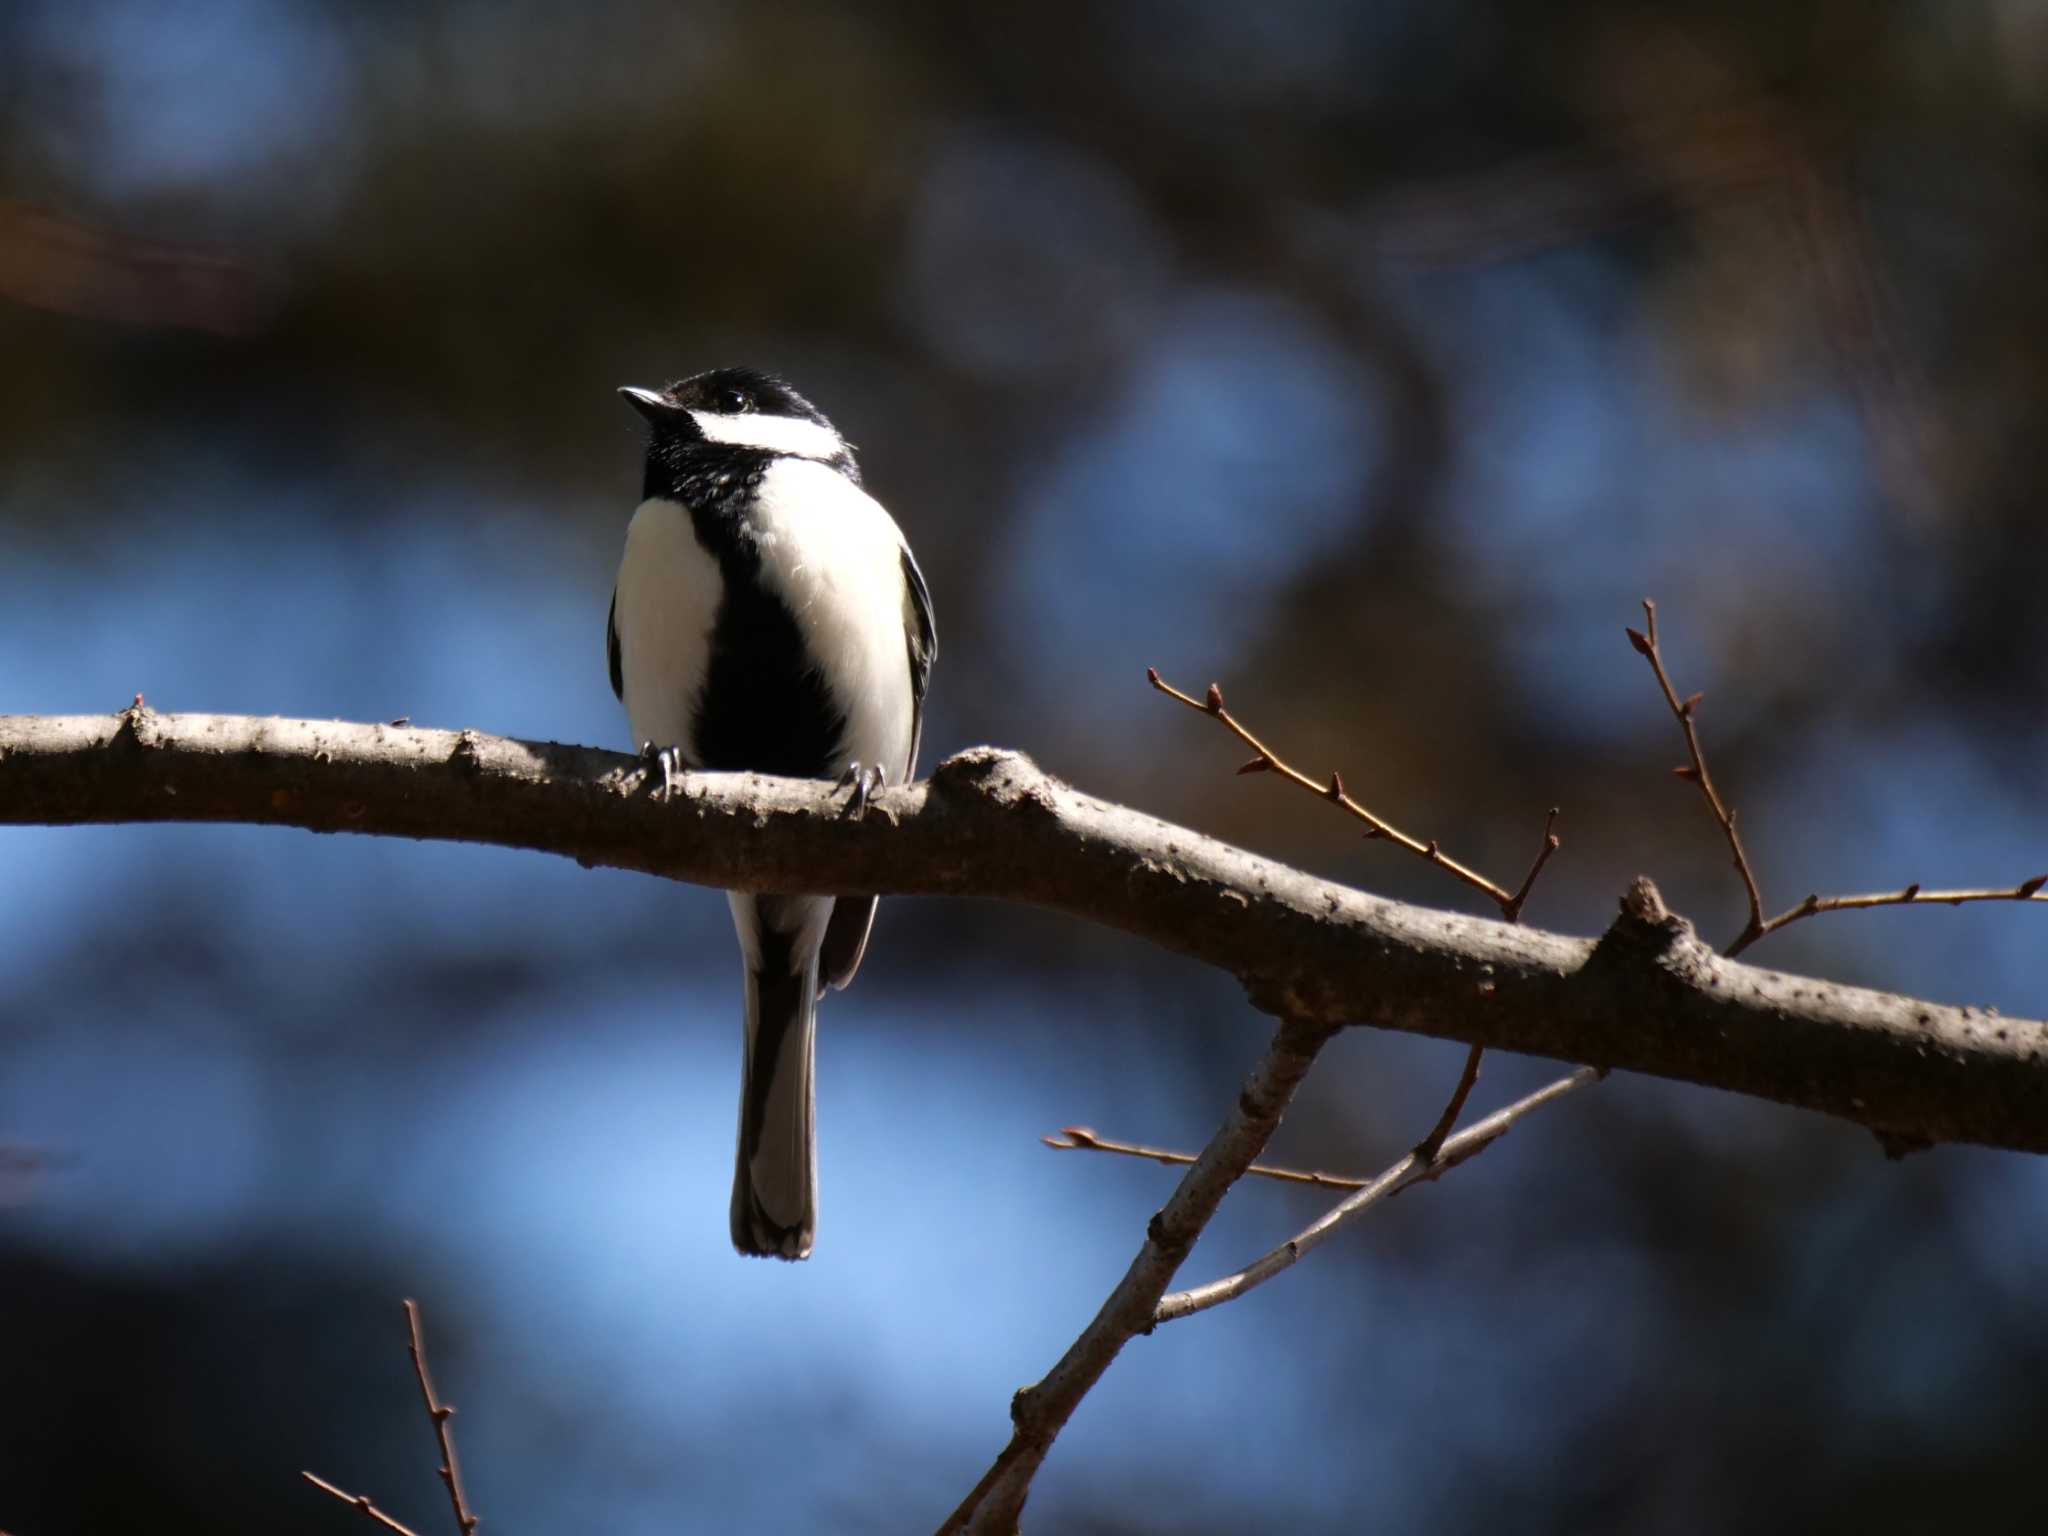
column 1371, row 361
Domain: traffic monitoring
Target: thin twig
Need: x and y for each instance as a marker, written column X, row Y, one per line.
column 1510, row 903
column 362, row 1502
column 1079, row 1138
column 1411, row 1169
column 1267, row 761
column 440, row 1413
column 1511, row 910
column 1686, row 711
column 1430, row 1145
column 1912, row 896
column 1039, row 1412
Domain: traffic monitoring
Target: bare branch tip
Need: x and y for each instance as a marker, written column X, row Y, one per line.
column 1152, row 677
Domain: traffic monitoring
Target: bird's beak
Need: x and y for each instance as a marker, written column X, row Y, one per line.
column 656, row 407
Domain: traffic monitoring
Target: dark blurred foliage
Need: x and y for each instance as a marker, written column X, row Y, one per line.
column 1372, row 361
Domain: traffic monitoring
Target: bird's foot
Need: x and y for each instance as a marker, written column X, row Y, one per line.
column 862, row 782
column 670, row 761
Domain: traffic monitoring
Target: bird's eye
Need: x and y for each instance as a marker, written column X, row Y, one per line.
column 735, row 402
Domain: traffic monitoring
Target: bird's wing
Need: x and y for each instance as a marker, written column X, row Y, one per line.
column 611, row 647
column 846, row 936
column 921, row 638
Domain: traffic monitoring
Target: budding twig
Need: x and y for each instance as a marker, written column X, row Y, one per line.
column 1079, row 1138
column 1509, row 902
column 1758, row 926
column 440, row 1413
column 1685, row 711
column 360, row 1501
column 1267, row 761
column 1511, row 911
column 1412, row 1169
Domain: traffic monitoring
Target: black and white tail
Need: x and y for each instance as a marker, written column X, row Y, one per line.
column 775, row 1173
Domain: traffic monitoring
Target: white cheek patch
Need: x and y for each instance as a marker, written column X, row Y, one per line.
column 776, row 434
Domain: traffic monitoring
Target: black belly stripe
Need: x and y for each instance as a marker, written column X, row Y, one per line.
column 763, row 706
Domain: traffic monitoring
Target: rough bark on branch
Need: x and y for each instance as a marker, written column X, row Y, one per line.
column 1647, row 997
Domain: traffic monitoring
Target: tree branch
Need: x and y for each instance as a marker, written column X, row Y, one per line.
column 1267, row 760
column 1686, row 711
column 359, row 1501
column 1079, row 1138
column 1040, row 1411
column 1416, row 1167
column 1648, row 997
column 440, row 1413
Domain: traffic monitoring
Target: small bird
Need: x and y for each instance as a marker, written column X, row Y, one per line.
column 769, row 617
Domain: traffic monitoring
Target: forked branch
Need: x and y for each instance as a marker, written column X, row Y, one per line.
column 1414, row 1168
column 1509, row 902
column 439, row 1413
column 1686, row 712
column 1040, row 1411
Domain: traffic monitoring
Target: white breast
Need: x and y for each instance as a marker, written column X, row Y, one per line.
column 668, row 597
column 831, row 552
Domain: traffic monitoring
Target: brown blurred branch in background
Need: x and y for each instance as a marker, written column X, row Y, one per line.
column 437, row 1411
column 1686, row 711
column 52, row 262
column 1652, row 164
